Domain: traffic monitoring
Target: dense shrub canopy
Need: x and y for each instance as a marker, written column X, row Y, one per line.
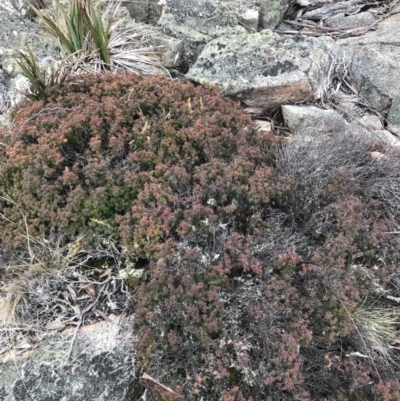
column 139, row 158
column 263, row 259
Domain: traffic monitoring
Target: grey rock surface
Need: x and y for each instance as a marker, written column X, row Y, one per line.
column 170, row 49
column 271, row 12
column 23, row 6
column 376, row 70
column 249, row 18
column 371, row 122
column 101, row 368
column 310, row 120
column 313, row 119
column 375, row 65
column 388, row 137
column 394, row 113
column 5, row 100
column 147, row 11
column 199, row 20
column 17, row 32
column 212, row 18
column 265, row 69
column 350, row 21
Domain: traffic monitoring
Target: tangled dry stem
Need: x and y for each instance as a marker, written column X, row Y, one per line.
column 313, row 159
column 55, row 288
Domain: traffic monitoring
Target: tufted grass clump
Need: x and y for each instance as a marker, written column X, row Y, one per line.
column 98, row 39
column 257, row 256
column 91, row 39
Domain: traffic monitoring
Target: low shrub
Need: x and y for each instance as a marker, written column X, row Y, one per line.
column 141, row 159
column 326, row 166
column 263, row 260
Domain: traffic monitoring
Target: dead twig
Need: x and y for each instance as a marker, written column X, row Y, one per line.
column 147, row 377
column 320, row 30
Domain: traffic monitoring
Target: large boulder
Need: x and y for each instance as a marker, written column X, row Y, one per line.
column 213, row 17
column 265, row 69
column 375, row 66
column 200, row 20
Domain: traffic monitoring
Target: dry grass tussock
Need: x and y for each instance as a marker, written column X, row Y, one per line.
column 99, row 37
column 92, row 39
column 378, row 326
column 60, row 285
column 313, row 159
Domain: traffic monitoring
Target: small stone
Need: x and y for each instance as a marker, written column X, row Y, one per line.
column 170, row 50
column 312, row 118
column 394, row 112
column 388, row 137
column 250, row 18
column 11, row 68
column 352, row 21
column 376, row 155
column 263, row 126
column 371, row 122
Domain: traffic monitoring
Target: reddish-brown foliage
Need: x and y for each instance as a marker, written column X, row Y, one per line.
column 256, row 254
column 142, row 159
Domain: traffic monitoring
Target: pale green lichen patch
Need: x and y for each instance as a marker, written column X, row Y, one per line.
column 278, row 66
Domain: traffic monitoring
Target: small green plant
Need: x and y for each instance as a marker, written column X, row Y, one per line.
column 73, row 27
column 32, row 72
column 39, row 79
column 91, row 40
column 101, row 34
